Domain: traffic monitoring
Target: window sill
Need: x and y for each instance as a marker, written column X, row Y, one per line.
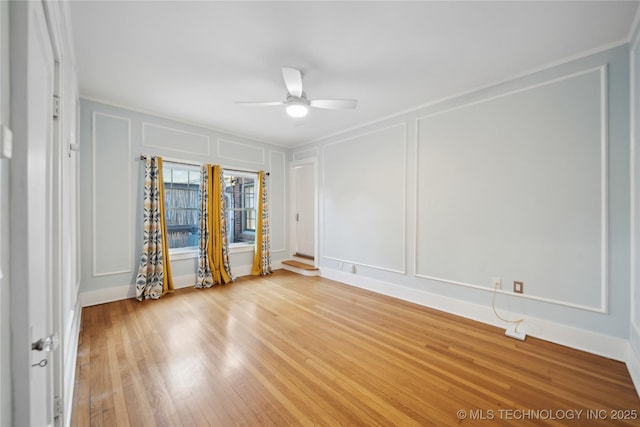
column 241, row 247
column 193, row 253
column 183, row 254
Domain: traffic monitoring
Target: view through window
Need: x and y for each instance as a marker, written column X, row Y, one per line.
column 182, row 205
column 182, row 202
column 240, row 197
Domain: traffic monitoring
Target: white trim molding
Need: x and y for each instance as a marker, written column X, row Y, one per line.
column 239, row 159
column 305, row 154
column 272, row 153
column 94, row 192
column 581, row 339
column 604, row 197
column 176, row 130
column 405, row 181
column 72, row 336
column 634, row 160
column 633, row 365
column 117, row 293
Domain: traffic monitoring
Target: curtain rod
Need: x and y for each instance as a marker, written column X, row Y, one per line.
column 143, row 157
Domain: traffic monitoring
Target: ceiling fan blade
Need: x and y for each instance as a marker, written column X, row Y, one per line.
column 334, row 104
column 293, row 81
column 260, row 103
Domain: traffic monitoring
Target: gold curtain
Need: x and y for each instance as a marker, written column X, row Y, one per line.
column 213, row 258
column 154, row 272
column 262, row 255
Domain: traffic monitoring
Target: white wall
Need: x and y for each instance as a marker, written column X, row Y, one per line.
column 525, row 180
column 5, row 362
column 113, row 138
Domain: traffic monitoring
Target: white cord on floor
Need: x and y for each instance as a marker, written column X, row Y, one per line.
column 493, row 305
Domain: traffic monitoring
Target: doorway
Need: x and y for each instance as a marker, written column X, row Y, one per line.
column 304, row 210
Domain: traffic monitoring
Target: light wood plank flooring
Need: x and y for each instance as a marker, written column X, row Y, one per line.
column 288, row 350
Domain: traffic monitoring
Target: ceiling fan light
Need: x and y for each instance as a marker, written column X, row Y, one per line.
column 297, row 109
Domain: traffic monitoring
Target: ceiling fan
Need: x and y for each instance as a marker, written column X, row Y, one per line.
column 297, row 103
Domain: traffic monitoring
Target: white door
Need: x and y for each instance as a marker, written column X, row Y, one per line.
column 305, row 194
column 37, row 173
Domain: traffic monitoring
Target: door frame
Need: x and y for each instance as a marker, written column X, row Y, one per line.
column 312, row 161
column 21, row 124
column 53, row 19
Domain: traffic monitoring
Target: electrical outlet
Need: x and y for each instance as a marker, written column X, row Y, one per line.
column 497, row 282
column 518, row 287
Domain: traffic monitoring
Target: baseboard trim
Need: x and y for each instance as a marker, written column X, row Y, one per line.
column 580, row 339
column 117, row 293
column 633, row 365
column 72, row 335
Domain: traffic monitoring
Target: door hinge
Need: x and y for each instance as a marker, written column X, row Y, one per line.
column 56, row 107
column 57, row 407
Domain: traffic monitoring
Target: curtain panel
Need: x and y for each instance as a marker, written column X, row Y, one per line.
column 154, row 272
column 213, row 248
column 262, row 256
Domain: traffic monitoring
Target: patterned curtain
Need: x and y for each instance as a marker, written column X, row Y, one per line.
column 154, row 273
column 213, row 252
column 262, row 255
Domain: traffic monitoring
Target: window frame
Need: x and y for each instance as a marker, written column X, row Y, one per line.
column 235, row 247
column 183, row 252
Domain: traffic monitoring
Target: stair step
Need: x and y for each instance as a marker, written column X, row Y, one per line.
column 300, row 268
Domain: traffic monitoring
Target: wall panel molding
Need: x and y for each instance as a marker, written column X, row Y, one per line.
column 634, row 201
column 154, row 134
column 305, row 154
column 595, row 73
column 240, row 152
column 107, row 225
column 395, row 175
column 276, row 157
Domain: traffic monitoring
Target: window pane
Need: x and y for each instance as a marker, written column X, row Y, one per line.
column 181, row 199
column 180, row 176
column 241, row 204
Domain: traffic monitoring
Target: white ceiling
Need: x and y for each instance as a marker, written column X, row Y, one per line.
column 192, row 60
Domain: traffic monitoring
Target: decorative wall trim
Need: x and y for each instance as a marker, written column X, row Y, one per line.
column 604, row 199
column 306, row 154
column 93, row 196
column 176, row 119
column 402, row 124
column 284, row 192
column 634, row 160
column 580, row 339
column 513, row 294
column 601, row 69
column 633, row 35
column 222, row 141
column 548, row 66
column 176, row 130
column 604, row 191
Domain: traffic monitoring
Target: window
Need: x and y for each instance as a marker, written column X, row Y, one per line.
column 182, row 204
column 240, row 196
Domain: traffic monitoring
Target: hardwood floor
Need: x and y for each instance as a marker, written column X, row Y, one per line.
column 292, row 350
